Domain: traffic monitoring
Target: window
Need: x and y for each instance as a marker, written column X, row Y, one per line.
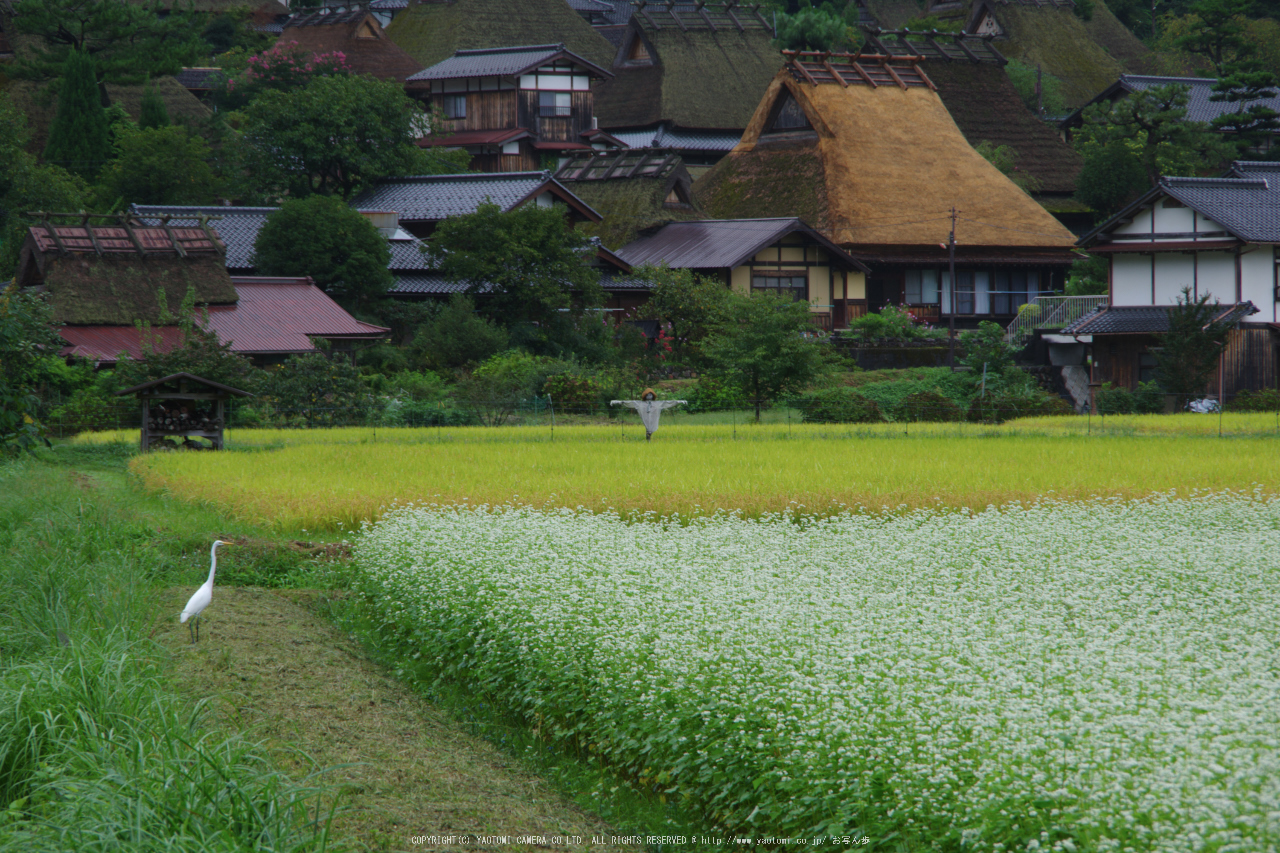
column 554, row 103
column 788, row 116
column 795, row 286
column 1011, row 289
column 455, row 106
column 964, row 293
column 638, row 54
column 922, row 287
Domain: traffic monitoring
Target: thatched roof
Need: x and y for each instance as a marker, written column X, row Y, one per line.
column 985, row 107
column 359, row 36
column 433, row 31
column 41, row 105
column 699, row 77
column 633, row 189
column 881, row 166
column 112, row 275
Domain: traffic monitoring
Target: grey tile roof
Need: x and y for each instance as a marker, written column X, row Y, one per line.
column 620, row 281
column 425, row 283
column 430, row 198
column 664, row 136
column 502, row 62
column 613, row 33
column 717, row 243
column 239, row 227
column 1199, row 107
column 620, row 11
column 325, row 19
column 619, row 164
column 1143, row 319
column 389, row 4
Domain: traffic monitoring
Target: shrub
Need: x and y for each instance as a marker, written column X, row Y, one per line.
column 711, row 394
column 892, row 323
column 929, row 406
column 87, row 411
column 1148, row 399
column 838, row 406
column 1114, row 401
column 1011, row 404
column 1267, row 400
column 421, row 413
column 573, row 391
column 457, row 336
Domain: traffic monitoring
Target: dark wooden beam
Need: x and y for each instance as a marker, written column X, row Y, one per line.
column 831, row 69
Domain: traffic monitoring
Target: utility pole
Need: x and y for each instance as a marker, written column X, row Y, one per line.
column 951, row 286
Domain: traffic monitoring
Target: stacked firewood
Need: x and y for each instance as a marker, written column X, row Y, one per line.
column 178, row 419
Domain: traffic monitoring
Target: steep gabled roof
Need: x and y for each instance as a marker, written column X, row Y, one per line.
column 1246, row 202
column 358, row 35
column 700, row 77
column 1199, row 105
column 432, row 32
column 881, row 165
column 504, row 62
column 633, row 189
column 720, row 243
column 1145, row 319
column 430, row 198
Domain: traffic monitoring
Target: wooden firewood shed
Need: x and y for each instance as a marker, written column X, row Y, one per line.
column 183, row 410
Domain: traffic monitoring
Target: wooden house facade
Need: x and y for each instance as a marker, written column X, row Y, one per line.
column 862, row 148
column 511, row 108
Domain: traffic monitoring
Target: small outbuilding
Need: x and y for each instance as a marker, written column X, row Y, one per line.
column 182, row 410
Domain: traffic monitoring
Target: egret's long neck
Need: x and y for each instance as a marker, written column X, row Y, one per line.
column 213, row 562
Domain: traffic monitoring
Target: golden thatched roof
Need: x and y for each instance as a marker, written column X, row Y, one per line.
column 882, row 165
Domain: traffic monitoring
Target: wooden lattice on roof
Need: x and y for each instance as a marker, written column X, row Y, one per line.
column 962, row 47
column 627, row 163
column 702, row 14
column 125, row 237
column 861, row 69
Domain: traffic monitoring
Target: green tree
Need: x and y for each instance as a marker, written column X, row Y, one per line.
column 815, row 29
column 321, row 237
column 1087, row 277
column 457, row 336
column 1189, row 351
column 334, row 136
column 1005, row 158
column 501, row 383
column 526, row 263
column 129, row 41
column 199, row 352
column 160, row 165
column 26, row 335
column 27, row 186
column 1219, row 31
column 692, row 304
column 1111, row 177
column 1023, row 77
column 79, row 139
column 763, row 349
column 316, row 390
column 1245, row 83
column 153, row 112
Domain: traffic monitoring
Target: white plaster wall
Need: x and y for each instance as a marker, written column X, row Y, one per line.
column 1174, row 219
column 1131, row 279
column 820, row 288
column 1174, row 271
column 1141, row 223
column 1217, row 276
column 1257, row 270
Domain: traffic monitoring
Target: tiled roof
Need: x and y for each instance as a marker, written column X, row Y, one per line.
column 717, row 243
column 615, row 165
column 431, row 198
column 611, row 282
column 325, row 19
column 473, row 137
column 272, row 316
column 503, row 62
column 665, row 136
column 1199, row 107
column 425, row 284
column 199, row 79
column 613, row 33
column 620, row 11
column 389, row 4
column 237, row 227
column 1143, row 319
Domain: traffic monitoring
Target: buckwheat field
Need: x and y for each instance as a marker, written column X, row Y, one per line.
column 1098, row 675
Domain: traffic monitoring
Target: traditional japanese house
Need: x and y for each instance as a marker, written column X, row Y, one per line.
column 783, row 256
column 969, row 72
column 111, row 285
column 862, row 148
column 687, row 76
column 1200, row 104
column 356, row 34
column 512, row 108
column 1214, row 237
column 421, row 201
column 634, row 189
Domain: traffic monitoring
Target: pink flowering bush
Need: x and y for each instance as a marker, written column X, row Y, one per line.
column 283, row 67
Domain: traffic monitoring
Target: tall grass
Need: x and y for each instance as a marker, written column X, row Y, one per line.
column 337, row 486
column 95, row 752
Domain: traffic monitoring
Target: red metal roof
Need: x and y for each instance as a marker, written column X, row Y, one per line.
column 561, row 146
column 273, row 316
column 473, row 137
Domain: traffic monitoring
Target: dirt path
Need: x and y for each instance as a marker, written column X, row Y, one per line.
column 283, row 674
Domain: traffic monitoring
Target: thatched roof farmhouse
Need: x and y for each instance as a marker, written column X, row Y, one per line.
column 358, row 35
column 634, row 189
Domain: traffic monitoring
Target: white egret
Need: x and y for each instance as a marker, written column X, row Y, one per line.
column 200, row 600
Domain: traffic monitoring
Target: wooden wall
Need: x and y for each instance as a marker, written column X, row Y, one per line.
column 1118, row 358
column 1249, row 361
column 555, row 128
column 485, row 111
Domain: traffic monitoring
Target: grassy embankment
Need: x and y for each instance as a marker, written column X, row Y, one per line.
column 115, row 733
column 335, row 479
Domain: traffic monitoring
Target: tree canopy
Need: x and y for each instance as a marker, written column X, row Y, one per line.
column 321, row 237
column 335, row 135
column 26, row 333
column 1189, row 351
column 129, row 42
column 159, row 165
column 692, row 304
column 79, row 138
column 526, row 263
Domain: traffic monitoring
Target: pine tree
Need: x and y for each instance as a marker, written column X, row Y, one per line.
column 79, row 138
column 153, row 112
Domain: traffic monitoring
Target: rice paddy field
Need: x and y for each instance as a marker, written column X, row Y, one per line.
column 933, row 638
column 332, row 480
